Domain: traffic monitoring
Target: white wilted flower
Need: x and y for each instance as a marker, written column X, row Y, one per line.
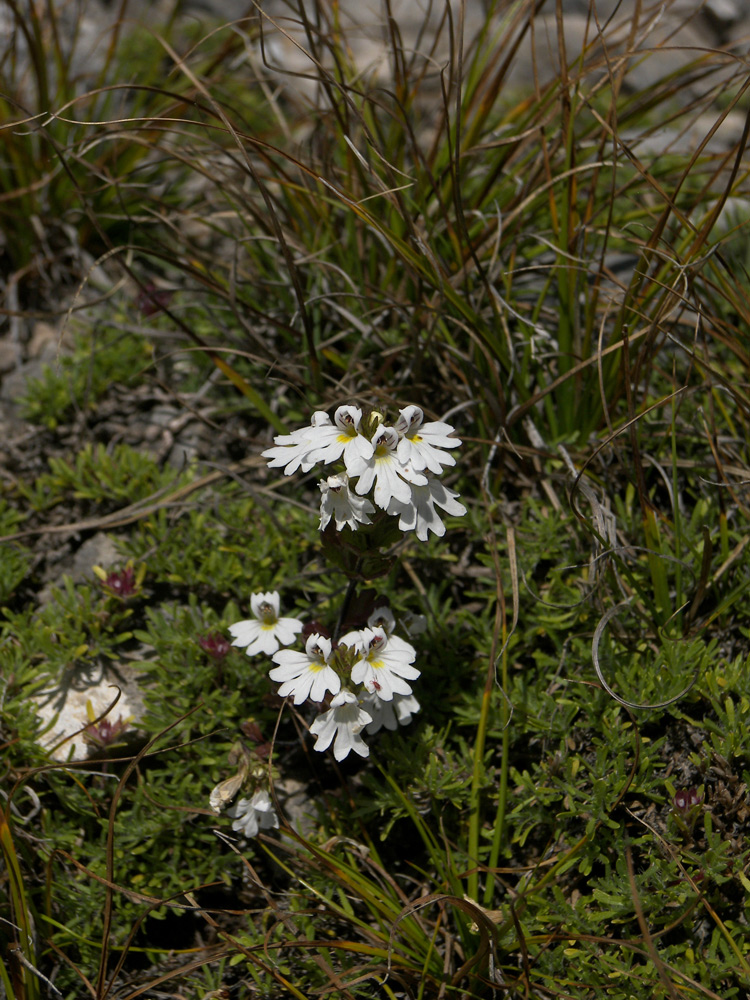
column 339, row 502
column 391, row 477
column 421, row 445
column 344, row 721
column 384, row 664
column 306, row 675
column 291, row 450
column 420, row 515
column 413, row 624
column 225, row 791
column 389, row 714
column 252, row 815
column 382, row 617
column 266, row 632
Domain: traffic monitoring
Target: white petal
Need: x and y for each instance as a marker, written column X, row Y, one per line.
column 366, row 473
column 258, row 600
column 347, row 740
column 347, row 416
column 439, row 434
column 324, row 727
column 265, row 642
column 317, row 642
column 357, row 450
column 353, row 639
column 446, row 499
column 286, row 630
column 291, row 664
column 244, row 632
column 405, row 708
column 299, row 688
column 324, row 680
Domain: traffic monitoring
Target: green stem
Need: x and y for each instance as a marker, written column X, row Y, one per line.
column 474, row 817
column 676, row 516
column 502, row 795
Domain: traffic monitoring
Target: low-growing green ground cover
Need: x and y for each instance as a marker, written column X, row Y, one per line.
column 567, row 813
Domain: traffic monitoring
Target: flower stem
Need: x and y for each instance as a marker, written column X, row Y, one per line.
column 346, row 602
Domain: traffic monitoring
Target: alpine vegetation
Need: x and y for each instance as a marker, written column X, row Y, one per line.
column 385, row 483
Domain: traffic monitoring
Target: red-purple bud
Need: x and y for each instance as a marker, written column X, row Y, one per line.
column 152, row 300
column 215, row 644
column 121, row 583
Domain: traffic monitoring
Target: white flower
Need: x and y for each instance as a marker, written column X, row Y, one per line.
column 251, row 815
column 414, row 624
column 384, row 662
column 267, row 631
column 389, row 713
column 345, row 720
column 339, row 501
column 385, row 469
column 421, row 444
column 342, row 438
column 292, row 450
column 306, row 675
column 420, row 515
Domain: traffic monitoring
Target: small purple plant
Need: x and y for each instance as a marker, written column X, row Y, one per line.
column 152, row 300
column 105, row 732
column 121, row 583
column 686, row 808
column 685, row 800
column 215, row 645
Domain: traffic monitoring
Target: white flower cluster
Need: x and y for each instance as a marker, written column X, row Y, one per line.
column 400, row 464
column 382, row 665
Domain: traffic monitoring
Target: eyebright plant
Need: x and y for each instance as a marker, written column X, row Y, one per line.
column 389, row 485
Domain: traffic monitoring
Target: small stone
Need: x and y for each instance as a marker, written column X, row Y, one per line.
column 45, row 341
column 99, row 550
column 10, row 355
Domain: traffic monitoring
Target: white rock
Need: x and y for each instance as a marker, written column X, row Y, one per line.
column 63, row 713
